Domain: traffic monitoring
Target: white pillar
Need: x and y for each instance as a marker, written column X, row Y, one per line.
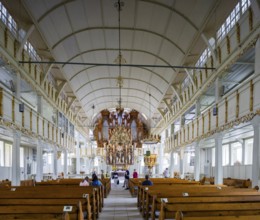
column 182, row 163
column 197, row 108
column 65, row 163
column 78, row 156
column 171, row 169
column 39, row 161
column 217, row 89
column 55, row 162
column 218, row 159
column 18, row 86
column 16, row 158
column 257, row 57
column 255, row 166
column 39, row 104
column 197, row 161
column 160, row 171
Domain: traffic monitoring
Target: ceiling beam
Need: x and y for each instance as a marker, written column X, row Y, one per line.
column 114, row 64
column 28, row 33
column 167, row 105
column 60, row 88
column 175, row 91
column 45, row 74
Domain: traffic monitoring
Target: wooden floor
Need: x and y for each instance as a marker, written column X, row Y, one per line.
column 120, row 205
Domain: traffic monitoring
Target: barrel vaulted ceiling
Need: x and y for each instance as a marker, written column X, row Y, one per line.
column 152, row 32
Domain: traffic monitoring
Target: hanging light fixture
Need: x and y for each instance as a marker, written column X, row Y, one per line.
column 119, row 60
column 150, row 139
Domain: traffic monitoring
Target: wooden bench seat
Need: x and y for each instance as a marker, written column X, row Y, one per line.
column 183, row 211
column 90, row 205
column 50, row 211
column 151, row 200
column 74, row 182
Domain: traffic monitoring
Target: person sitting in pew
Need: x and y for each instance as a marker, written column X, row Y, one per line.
column 95, row 181
column 147, row 182
column 84, row 182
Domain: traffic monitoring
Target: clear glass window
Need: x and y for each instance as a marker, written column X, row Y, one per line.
column 225, row 155
column 236, row 153
column 248, row 151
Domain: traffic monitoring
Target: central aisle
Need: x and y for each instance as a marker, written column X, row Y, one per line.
column 120, row 205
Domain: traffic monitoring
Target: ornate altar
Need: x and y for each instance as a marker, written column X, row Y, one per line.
column 119, row 132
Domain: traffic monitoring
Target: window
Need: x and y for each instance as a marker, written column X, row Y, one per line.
column 21, row 157
column 213, row 156
column 225, row 155
column 8, row 20
column 232, row 19
column 248, row 151
column 1, row 153
column 7, row 155
column 236, row 153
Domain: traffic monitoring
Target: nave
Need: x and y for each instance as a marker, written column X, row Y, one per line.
column 120, row 204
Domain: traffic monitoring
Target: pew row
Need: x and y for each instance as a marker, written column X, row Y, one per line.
column 65, row 195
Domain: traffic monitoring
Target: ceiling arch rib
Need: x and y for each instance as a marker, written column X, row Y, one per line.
column 114, row 78
column 47, row 13
column 113, row 49
column 96, row 100
column 116, row 88
column 143, row 68
column 116, row 28
column 172, row 10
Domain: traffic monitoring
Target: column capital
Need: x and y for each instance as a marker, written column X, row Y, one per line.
column 255, row 121
column 219, row 135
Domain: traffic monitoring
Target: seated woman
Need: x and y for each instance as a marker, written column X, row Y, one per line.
column 84, row 182
column 95, row 181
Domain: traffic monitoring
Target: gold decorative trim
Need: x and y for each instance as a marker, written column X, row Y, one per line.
column 43, row 131
column 250, row 18
column 192, row 129
column 200, row 77
column 197, row 126
column 30, row 66
column 206, row 71
column 13, row 109
column 203, row 126
column 217, row 115
column 22, row 119
column 37, row 124
column 246, row 118
column 219, row 55
column 237, row 105
column 1, row 102
column 226, row 110
column 6, row 37
column 209, row 122
column 31, row 119
column 238, row 32
column 228, row 44
column 251, row 105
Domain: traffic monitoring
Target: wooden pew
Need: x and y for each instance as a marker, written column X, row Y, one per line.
column 150, row 204
column 205, row 210
column 142, row 190
column 75, row 182
column 86, row 195
column 33, row 211
column 136, row 182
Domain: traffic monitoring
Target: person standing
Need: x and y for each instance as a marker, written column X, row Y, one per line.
column 127, row 174
column 135, row 174
column 166, row 173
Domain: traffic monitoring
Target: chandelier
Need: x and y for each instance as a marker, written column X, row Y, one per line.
column 150, row 139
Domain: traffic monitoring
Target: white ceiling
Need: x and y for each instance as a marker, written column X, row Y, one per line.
column 152, row 32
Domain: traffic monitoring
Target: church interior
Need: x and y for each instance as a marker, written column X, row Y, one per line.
column 156, row 101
